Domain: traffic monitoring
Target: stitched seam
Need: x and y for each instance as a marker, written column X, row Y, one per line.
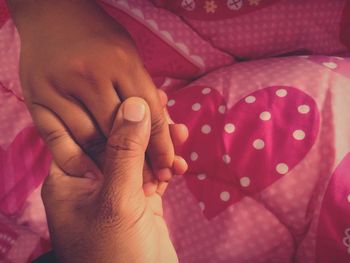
column 7, row 90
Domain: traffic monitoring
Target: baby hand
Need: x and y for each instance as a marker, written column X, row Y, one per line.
column 76, row 66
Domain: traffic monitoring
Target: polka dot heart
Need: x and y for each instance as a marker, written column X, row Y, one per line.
column 246, row 148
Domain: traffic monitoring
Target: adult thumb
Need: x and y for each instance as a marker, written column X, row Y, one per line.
column 125, row 152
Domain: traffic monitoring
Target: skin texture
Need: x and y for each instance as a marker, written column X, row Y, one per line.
column 103, row 201
column 108, row 216
column 76, row 66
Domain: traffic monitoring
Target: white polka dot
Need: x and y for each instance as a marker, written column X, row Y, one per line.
column 265, row 116
column 258, row 144
column 250, row 99
column 244, row 181
column 299, row 135
column 194, row 156
column 222, row 109
column 348, row 198
column 196, row 107
column 201, row 205
column 171, row 103
column 281, row 93
column 225, row 196
column 226, row 158
column 304, row 109
column 206, row 129
column 229, row 128
column 206, row 91
column 201, row 176
column 282, row 168
column 330, row 65
column 166, row 82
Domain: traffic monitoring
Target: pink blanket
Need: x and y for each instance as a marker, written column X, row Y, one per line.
column 268, row 151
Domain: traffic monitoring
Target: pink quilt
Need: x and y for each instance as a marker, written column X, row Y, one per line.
column 269, row 145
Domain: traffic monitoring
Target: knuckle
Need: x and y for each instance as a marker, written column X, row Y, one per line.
column 76, row 65
column 52, row 137
column 163, row 159
column 163, row 153
column 127, row 58
column 70, row 163
column 120, row 143
column 82, row 69
column 123, row 55
column 158, row 124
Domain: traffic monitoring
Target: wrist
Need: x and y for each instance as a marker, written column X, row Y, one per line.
column 36, row 15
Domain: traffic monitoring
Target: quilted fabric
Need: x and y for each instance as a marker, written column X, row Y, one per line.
column 268, row 150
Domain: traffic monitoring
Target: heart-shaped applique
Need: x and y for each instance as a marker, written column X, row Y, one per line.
column 23, row 167
column 333, row 231
column 241, row 151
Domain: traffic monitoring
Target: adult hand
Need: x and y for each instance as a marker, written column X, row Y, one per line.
column 107, row 217
column 76, row 66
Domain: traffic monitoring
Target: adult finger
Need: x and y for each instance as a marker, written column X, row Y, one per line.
column 125, row 155
column 160, row 150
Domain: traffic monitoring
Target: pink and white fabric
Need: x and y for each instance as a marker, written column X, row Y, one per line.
column 265, row 140
column 268, row 151
column 262, row 28
column 188, row 55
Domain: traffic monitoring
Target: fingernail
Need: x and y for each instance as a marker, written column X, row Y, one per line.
column 164, row 174
column 134, row 111
column 167, row 117
column 179, row 166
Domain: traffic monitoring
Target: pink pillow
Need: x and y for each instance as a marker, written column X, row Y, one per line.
column 168, row 46
column 263, row 28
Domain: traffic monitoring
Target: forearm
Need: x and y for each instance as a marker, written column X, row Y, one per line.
column 36, row 13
